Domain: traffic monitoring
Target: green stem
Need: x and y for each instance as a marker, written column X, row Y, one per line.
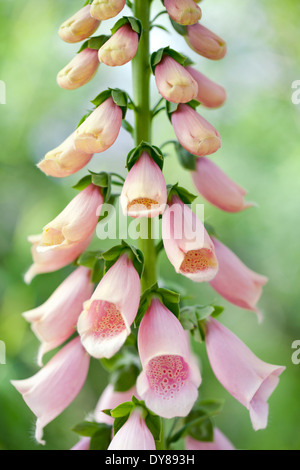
column 141, row 85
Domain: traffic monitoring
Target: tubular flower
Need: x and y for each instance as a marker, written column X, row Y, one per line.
column 235, row 281
column 100, row 130
column 120, row 48
column 174, row 82
column 144, row 193
column 205, row 42
column 217, row 188
column 194, row 133
column 68, row 235
column 79, row 27
column 80, row 70
column 64, row 160
column 187, row 244
column 134, row 435
column 220, row 442
column 106, row 9
column 53, row 388
column 184, row 12
column 248, row 379
column 170, row 378
column 55, row 321
column 210, row 94
column 105, row 322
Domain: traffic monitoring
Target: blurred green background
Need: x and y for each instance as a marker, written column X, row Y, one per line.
column 259, row 126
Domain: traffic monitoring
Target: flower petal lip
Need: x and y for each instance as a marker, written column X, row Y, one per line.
column 133, row 435
column 174, row 82
column 105, row 321
column 248, row 379
column 210, row 94
column 162, row 340
column 217, row 188
column 206, row 43
column 185, row 12
column 64, row 160
column 100, row 130
column 106, row 9
column 80, row 26
column 144, row 193
column 187, row 244
column 49, row 392
column 121, row 48
column 55, row 320
column 80, row 70
column 235, row 281
column 194, row 133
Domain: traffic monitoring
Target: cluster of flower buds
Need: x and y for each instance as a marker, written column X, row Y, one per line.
column 168, row 375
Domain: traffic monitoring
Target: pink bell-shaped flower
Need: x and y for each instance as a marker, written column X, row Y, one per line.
column 187, row 244
column 105, row 321
column 205, row 42
column 80, row 70
column 134, row 435
column 79, row 27
column 170, row 379
column 248, row 379
column 184, row 12
column 120, row 48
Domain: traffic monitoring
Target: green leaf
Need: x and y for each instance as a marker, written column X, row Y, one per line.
column 169, row 298
column 157, row 57
column 192, row 319
column 119, row 423
column 89, row 428
column 122, row 410
column 154, row 424
column 112, row 255
column 95, row 42
column 83, row 183
column 88, row 259
column 180, row 29
column 103, row 96
column 135, row 24
column 183, row 194
column 125, row 378
column 101, row 439
column 154, row 152
column 186, row 159
column 171, row 108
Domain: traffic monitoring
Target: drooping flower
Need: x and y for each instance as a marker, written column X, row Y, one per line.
column 105, row 322
column 100, row 130
column 55, row 321
column 170, row 378
column 64, row 160
column 144, row 192
column 80, row 70
column 217, row 188
column 79, row 27
column 184, row 12
column 68, row 235
column 187, row 244
column 248, row 379
column 194, row 133
column 120, row 48
column 174, row 82
column 49, row 392
column 210, row 94
column 106, row 9
column 134, row 435
column 220, row 442
column 205, row 42
column 235, row 281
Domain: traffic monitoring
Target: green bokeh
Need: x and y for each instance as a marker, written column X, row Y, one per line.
column 261, row 150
